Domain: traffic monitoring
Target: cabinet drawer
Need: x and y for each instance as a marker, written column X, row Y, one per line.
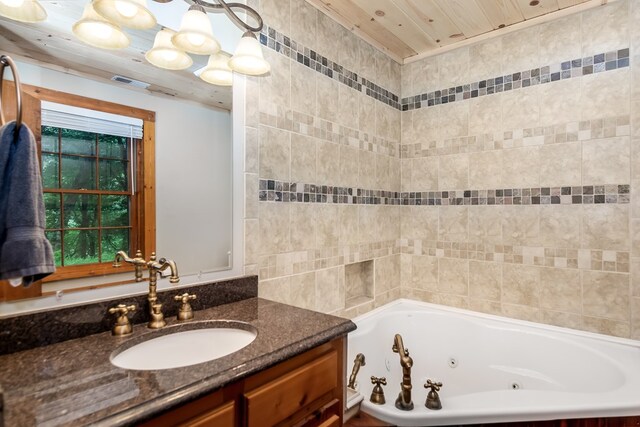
column 220, row 417
column 283, row 397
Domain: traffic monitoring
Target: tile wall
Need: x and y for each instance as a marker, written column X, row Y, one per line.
column 500, row 177
column 535, row 135
column 327, row 118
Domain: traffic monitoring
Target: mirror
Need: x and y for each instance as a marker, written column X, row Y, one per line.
column 198, row 163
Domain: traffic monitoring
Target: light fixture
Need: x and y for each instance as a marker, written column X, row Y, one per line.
column 248, row 58
column 128, row 13
column 217, row 71
column 95, row 30
column 23, row 10
column 165, row 55
column 195, row 35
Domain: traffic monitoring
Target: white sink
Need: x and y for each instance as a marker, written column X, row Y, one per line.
column 183, row 348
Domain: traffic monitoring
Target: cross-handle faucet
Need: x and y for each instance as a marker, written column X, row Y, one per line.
column 155, row 267
column 403, row 401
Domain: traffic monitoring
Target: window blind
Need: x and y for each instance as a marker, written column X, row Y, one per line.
column 83, row 119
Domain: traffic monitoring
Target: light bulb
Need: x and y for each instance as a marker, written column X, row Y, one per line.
column 196, row 39
column 169, row 55
column 102, row 31
column 12, row 3
column 126, row 9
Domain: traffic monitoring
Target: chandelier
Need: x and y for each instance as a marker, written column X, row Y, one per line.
column 102, row 22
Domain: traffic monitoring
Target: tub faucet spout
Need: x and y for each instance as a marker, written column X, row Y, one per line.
column 403, row 401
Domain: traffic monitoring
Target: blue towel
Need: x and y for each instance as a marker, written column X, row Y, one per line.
column 25, row 252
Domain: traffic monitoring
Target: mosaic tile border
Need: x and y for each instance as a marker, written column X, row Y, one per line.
column 549, row 73
column 583, row 259
column 605, row 127
column 283, row 191
column 306, row 56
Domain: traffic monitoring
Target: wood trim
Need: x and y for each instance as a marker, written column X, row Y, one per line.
column 147, row 217
column 86, row 270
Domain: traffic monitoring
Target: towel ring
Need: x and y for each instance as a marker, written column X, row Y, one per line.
column 4, row 61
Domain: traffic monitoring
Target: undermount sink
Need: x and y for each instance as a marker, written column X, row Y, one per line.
column 201, row 343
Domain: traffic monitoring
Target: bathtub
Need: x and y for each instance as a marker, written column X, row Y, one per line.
column 493, row 369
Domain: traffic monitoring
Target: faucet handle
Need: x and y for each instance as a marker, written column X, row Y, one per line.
column 185, row 312
column 433, row 399
column 377, row 394
column 122, row 326
column 378, row 380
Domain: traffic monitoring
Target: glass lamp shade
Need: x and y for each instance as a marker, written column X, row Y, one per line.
column 128, row 13
column 165, row 55
column 195, row 35
column 217, row 71
column 96, row 31
column 23, row 10
column 248, row 58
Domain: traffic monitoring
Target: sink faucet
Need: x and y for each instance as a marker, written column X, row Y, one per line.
column 403, row 401
column 155, row 267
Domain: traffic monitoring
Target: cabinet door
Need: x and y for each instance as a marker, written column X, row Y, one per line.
column 220, row 417
column 283, row 397
column 334, row 421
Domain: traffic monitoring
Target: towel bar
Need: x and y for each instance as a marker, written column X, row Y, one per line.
column 7, row 61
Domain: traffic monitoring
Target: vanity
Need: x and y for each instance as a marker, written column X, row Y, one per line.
column 292, row 373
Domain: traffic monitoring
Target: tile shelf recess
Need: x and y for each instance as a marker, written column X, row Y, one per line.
column 546, row 74
column 283, row 191
column 358, row 279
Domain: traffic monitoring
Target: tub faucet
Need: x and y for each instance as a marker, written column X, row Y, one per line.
column 357, row 363
column 403, row 401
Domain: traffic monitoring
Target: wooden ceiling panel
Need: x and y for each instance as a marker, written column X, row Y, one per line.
column 542, row 7
column 501, row 13
column 467, row 15
column 431, row 19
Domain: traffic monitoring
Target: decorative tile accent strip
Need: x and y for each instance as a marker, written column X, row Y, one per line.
column 585, row 130
column 584, row 259
column 550, row 73
column 281, row 191
column 277, row 41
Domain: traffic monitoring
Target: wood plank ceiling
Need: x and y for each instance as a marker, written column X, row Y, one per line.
column 409, row 28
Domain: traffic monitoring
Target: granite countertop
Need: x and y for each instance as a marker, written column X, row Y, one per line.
column 73, row 382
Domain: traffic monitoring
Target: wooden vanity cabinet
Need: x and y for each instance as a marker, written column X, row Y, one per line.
column 304, row 391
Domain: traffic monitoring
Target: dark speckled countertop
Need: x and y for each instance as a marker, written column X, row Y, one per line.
column 73, row 383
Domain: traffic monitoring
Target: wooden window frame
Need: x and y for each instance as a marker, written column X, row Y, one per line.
column 145, row 211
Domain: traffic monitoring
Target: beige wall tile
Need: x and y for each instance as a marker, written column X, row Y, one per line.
column 453, row 67
column 275, row 153
column 560, row 225
column 303, row 89
column 521, row 285
column 522, row 312
column 606, row 161
column 452, row 300
column 367, row 114
column 485, row 60
column 561, row 290
column 303, row 158
column 276, row 289
column 388, row 222
column 418, row 222
column 328, row 228
column 454, row 120
column 426, row 125
column 277, row 13
column 329, row 33
column 561, row 165
column 485, row 224
column 605, row 227
column 520, row 50
column 423, row 174
column 251, row 241
column 453, row 172
column 612, row 25
column 328, row 162
column 606, row 295
column 560, row 101
column 330, row 292
column 383, row 69
column 562, row 319
column 635, row 277
column 485, row 280
column 521, row 225
column 387, row 122
column 251, row 191
column 349, row 50
column 485, row 169
column 561, row 40
column 520, row 167
column 347, row 106
column 520, row 108
column 348, row 166
column 606, row 326
column 635, row 318
column 366, row 60
column 485, row 114
column 367, row 223
column 383, row 171
column 425, row 76
column 274, row 228
column 251, row 150
column 359, row 280
column 424, row 273
column 453, row 276
column 484, row 306
column 303, row 22
column 596, row 92
column 348, row 225
column 366, row 169
column 387, row 273
column 303, row 290
column 275, row 87
column 453, row 224
column 303, row 226
column 327, row 98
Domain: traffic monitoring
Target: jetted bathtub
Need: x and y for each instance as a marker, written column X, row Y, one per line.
column 493, row 369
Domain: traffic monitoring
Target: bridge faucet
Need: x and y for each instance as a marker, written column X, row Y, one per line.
column 403, row 401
